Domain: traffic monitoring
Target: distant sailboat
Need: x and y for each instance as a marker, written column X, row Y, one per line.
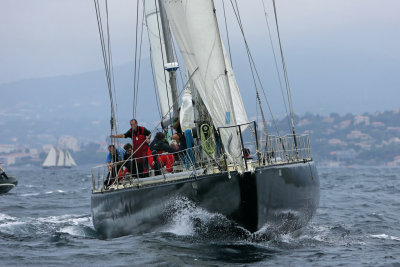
column 7, row 181
column 62, row 160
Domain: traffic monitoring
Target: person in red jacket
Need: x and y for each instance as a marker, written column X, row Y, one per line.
column 140, row 141
column 160, row 159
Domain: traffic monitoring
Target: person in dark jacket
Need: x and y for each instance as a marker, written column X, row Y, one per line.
column 3, row 173
column 160, row 146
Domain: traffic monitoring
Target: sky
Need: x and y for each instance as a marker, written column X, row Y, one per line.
column 334, row 49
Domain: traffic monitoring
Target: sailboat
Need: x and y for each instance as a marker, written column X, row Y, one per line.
column 7, row 181
column 231, row 166
column 58, row 159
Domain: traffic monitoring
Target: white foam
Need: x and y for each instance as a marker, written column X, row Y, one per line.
column 8, row 223
column 182, row 221
column 66, row 218
column 71, row 224
column 31, row 194
column 385, row 236
column 6, row 217
column 73, row 230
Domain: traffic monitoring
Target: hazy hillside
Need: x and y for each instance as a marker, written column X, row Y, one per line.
column 86, row 96
column 38, row 111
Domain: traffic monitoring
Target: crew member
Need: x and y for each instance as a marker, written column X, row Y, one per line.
column 113, row 157
column 159, row 160
column 140, row 140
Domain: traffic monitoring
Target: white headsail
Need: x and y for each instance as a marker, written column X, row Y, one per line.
column 69, row 161
column 195, row 28
column 158, row 54
column 51, row 159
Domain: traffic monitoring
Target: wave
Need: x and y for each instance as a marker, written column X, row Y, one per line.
column 385, row 236
column 30, row 194
column 33, row 228
column 185, row 219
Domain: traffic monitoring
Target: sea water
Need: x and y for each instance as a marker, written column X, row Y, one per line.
column 46, row 220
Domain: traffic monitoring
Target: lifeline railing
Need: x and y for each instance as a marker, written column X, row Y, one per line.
column 273, row 150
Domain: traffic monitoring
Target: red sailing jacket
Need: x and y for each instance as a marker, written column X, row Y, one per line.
column 137, row 140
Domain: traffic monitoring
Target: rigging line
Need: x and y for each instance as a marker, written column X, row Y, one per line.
column 285, row 75
column 158, row 12
column 227, row 34
column 252, row 65
column 102, row 42
column 262, row 114
column 177, row 59
column 169, row 111
column 237, row 13
column 154, row 84
column 276, row 63
column 135, row 68
column 140, row 58
column 257, row 114
column 255, row 69
column 111, row 69
column 101, row 35
column 105, row 58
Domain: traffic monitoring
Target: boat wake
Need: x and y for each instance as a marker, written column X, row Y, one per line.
column 186, row 219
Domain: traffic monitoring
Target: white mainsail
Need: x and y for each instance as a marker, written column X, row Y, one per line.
column 195, row 28
column 51, row 159
column 158, row 54
column 61, row 158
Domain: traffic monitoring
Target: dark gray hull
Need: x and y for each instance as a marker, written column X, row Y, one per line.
column 6, row 184
column 284, row 196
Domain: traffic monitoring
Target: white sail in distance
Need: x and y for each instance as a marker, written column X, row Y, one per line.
column 195, row 29
column 61, row 158
column 51, row 159
column 69, row 161
column 158, row 54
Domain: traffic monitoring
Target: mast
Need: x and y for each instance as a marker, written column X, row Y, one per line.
column 170, row 57
column 161, row 56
